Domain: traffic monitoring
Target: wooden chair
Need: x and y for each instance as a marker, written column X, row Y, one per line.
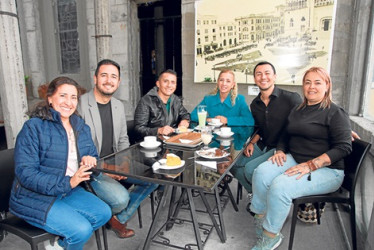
column 12, row 224
column 353, row 163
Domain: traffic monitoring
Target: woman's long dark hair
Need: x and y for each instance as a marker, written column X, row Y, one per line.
column 42, row 109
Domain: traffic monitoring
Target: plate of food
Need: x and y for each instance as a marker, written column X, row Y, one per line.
column 172, row 161
column 212, row 153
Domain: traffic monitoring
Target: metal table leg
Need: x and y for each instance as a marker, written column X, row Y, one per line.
column 153, row 224
column 194, row 219
column 213, row 219
column 220, row 215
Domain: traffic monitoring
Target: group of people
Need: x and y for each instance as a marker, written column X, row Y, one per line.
column 67, row 133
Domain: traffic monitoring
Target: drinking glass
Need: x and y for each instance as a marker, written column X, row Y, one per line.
column 206, row 137
column 201, row 114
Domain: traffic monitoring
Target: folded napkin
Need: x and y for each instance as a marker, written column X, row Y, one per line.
column 185, row 141
column 209, row 164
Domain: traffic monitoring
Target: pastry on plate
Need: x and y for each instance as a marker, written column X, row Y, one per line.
column 173, row 160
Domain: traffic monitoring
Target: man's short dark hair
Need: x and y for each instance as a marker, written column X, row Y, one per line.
column 263, row 63
column 169, row 71
column 107, row 62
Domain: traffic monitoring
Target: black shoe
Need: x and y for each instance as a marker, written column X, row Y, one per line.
column 249, row 210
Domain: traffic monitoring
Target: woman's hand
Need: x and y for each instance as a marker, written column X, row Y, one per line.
column 248, row 151
column 88, row 160
column 222, row 119
column 83, row 174
column 279, row 157
column 300, row 169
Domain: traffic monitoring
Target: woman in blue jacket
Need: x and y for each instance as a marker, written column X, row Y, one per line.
column 225, row 103
column 54, row 153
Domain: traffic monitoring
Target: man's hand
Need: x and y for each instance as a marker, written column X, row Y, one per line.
column 248, row 151
column 166, row 130
column 184, row 123
column 354, row 135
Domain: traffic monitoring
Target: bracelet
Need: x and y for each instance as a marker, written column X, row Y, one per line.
column 251, row 143
column 311, row 165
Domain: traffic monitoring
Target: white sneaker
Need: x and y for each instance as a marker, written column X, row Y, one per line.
column 52, row 245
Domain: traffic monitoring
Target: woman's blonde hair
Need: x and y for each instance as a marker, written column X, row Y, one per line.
column 233, row 92
column 327, row 99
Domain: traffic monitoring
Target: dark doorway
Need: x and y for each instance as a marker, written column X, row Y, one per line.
column 160, row 38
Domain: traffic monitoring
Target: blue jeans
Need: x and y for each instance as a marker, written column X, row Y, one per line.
column 244, row 167
column 273, row 191
column 122, row 203
column 75, row 216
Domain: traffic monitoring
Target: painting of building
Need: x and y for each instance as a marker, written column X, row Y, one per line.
column 292, row 34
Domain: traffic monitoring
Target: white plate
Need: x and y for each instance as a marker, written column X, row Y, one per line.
column 162, row 164
column 178, row 132
column 205, row 153
column 155, row 145
column 225, row 135
column 215, row 124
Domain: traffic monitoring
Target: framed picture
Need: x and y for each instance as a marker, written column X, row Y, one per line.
column 291, row 34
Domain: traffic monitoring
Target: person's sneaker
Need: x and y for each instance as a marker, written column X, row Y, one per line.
column 258, row 226
column 267, row 243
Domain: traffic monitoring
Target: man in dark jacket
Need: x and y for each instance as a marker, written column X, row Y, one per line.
column 160, row 111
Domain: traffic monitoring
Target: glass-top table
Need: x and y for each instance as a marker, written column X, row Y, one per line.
column 198, row 174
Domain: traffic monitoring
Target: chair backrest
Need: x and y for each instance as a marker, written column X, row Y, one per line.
column 6, row 177
column 353, row 163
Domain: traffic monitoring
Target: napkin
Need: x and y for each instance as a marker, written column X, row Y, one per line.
column 186, row 141
column 209, row 164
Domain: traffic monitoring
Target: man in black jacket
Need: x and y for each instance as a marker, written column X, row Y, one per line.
column 160, row 111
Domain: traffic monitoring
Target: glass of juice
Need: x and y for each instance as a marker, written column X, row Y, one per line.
column 201, row 114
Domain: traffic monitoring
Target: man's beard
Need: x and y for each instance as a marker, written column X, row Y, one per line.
column 109, row 94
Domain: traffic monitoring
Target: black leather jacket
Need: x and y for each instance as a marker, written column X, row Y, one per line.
column 151, row 113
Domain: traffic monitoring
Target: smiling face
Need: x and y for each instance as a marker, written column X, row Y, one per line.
column 314, row 88
column 107, row 80
column 64, row 100
column 264, row 77
column 167, row 84
column 225, row 82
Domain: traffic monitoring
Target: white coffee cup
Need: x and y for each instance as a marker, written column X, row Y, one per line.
column 215, row 121
column 150, row 140
column 225, row 130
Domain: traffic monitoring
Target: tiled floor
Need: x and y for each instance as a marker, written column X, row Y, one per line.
column 239, row 230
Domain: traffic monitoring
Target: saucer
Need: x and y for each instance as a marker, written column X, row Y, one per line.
column 149, row 153
column 153, row 146
column 224, row 135
column 215, row 124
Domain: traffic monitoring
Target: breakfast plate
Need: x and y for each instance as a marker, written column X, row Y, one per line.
column 162, row 164
column 153, row 146
column 211, row 153
column 219, row 133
